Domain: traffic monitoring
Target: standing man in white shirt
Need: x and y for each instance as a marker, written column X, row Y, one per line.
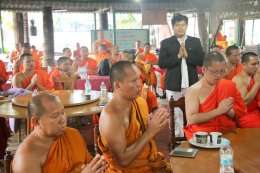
column 180, row 54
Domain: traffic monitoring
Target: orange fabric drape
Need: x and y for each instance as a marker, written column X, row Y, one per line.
column 102, row 56
column 3, row 74
column 234, row 72
column 149, row 159
column 67, row 153
column 149, row 68
column 42, row 79
column 92, row 65
column 252, row 118
column 223, row 89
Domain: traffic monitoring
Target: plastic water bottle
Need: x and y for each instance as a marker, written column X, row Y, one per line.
column 103, row 92
column 35, row 92
column 49, row 69
column 226, row 158
column 87, row 87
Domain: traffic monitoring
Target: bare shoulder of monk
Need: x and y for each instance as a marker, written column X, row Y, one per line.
column 30, row 156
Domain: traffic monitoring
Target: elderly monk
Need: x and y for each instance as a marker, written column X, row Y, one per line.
column 63, row 70
column 29, row 78
column 213, row 104
column 101, row 40
column 53, row 147
column 3, row 74
column 149, row 59
column 102, row 53
column 127, row 130
column 248, row 83
column 233, row 62
column 84, row 60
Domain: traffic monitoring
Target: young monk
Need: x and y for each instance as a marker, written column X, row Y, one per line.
column 149, row 59
column 127, row 130
column 53, row 147
column 233, row 64
column 248, row 83
column 84, row 60
column 63, row 70
column 102, row 53
column 29, row 78
column 213, row 103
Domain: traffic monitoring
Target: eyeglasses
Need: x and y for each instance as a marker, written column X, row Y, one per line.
column 215, row 73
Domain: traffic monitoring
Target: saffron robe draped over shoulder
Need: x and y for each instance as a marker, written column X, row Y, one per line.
column 92, row 65
column 54, row 73
column 3, row 74
column 149, row 159
column 67, row 153
column 252, row 118
column 234, row 72
column 42, row 79
column 223, row 89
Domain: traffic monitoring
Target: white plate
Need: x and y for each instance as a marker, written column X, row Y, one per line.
column 208, row 145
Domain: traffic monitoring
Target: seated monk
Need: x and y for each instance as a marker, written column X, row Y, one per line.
column 138, row 49
column 248, row 83
column 53, row 147
column 127, row 130
column 3, row 74
column 102, row 53
column 115, row 55
column 213, row 104
column 14, row 56
column 18, row 66
column 29, row 78
column 84, row 60
column 101, row 40
column 63, row 70
column 233, row 64
column 149, row 59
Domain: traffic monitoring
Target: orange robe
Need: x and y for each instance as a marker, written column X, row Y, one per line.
column 3, row 74
column 139, row 50
column 67, row 153
column 14, row 55
column 223, row 89
column 92, row 64
column 151, row 58
column 234, row 72
column 252, row 118
column 97, row 43
column 149, row 159
column 42, row 79
column 102, row 56
column 54, row 73
column 37, row 57
column 151, row 98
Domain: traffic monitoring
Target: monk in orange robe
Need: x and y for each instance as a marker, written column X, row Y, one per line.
column 248, row 83
column 213, row 104
column 29, row 78
column 3, row 74
column 127, row 130
column 102, row 53
column 53, row 147
column 149, row 60
column 63, row 70
column 233, row 65
column 115, row 55
column 84, row 60
column 101, row 40
column 14, row 56
column 138, row 48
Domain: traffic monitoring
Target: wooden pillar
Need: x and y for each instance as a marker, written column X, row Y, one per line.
column 48, row 35
column 203, row 25
column 26, row 29
column 18, row 27
column 241, row 32
column 103, row 21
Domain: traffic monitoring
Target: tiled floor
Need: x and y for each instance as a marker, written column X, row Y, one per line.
column 87, row 133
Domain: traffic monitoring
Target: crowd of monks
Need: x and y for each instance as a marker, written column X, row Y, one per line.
column 227, row 95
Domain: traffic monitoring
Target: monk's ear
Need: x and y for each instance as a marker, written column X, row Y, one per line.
column 35, row 121
column 203, row 69
column 116, row 85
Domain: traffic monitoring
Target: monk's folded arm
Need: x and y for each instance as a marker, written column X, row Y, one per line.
column 115, row 138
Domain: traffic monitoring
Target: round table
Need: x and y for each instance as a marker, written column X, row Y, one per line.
column 76, row 105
